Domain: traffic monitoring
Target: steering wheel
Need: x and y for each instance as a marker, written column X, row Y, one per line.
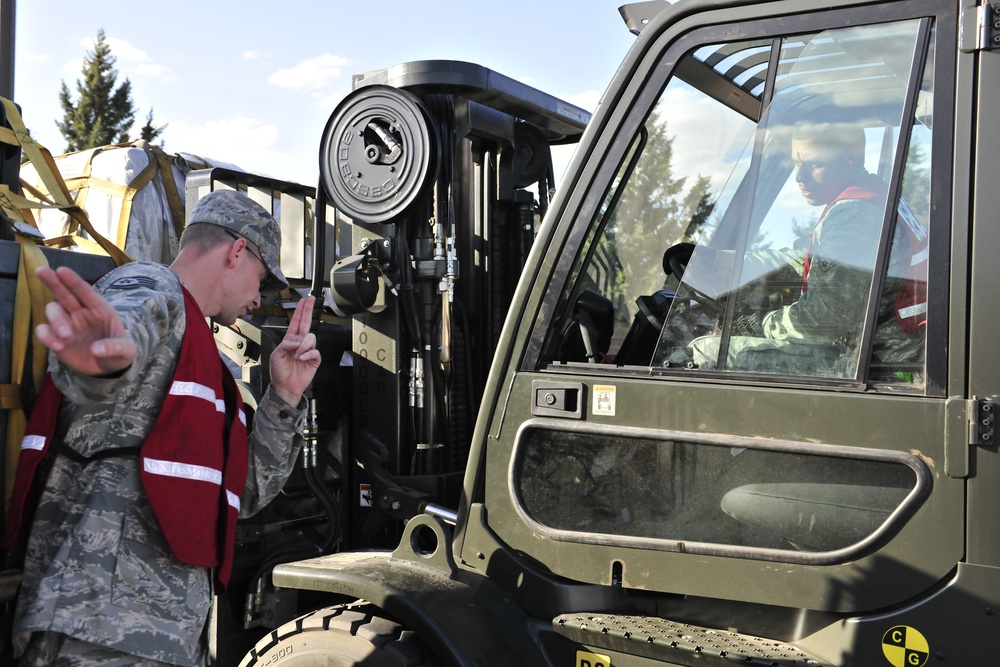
column 675, row 261
column 676, row 258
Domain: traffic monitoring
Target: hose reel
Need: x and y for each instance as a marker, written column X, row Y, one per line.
column 377, row 153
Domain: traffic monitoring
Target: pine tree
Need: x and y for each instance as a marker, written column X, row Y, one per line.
column 103, row 114
column 149, row 132
column 657, row 209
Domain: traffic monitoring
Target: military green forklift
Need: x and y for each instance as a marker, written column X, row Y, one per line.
column 669, row 468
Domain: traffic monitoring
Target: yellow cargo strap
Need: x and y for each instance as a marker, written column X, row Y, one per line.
column 38, row 155
column 30, row 294
column 57, row 192
column 80, row 185
column 29, row 310
column 159, row 162
column 8, row 136
column 87, row 181
column 19, row 208
column 174, row 200
column 16, row 207
column 98, row 244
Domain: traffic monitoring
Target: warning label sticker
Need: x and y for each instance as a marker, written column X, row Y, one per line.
column 904, row 646
column 604, row 400
column 365, row 495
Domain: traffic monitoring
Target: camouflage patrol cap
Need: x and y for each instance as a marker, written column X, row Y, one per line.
column 242, row 215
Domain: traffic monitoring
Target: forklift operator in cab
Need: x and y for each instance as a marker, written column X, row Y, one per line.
column 819, row 333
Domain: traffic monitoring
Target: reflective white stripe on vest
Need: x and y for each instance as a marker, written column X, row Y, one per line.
column 913, row 311
column 233, row 499
column 908, row 218
column 196, row 390
column 243, row 417
column 182, row 470
column 33, row 442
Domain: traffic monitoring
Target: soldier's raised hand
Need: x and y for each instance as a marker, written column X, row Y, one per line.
column 295, row 360
column 83, row 330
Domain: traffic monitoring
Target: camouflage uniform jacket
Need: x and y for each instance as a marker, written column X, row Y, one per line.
column 832, row 309
column 97, row 566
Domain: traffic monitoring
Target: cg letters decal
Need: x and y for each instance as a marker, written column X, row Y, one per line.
column 904, row 646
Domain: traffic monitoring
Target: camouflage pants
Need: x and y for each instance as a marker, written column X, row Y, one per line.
column 53, row 649
column 765, row 355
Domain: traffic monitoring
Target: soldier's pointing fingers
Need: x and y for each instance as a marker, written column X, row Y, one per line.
column 301, row 320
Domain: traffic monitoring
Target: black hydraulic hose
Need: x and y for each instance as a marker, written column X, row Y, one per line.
column 440, row 386
column 277, row 558
column 310, row 462
column 284, row 556
column 406, row 287
column 297, row 553
column 330, row 507
column 319, row 244
column 410, row 316
column 467, row 336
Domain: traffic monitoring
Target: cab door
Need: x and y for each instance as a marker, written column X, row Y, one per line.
column 725, row 378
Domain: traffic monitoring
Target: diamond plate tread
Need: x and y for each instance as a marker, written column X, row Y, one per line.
column 680, row 643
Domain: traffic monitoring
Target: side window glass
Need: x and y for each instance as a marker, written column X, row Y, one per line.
column 672, row 178
column 768, row 245
column 898, row 356
column 697, row 493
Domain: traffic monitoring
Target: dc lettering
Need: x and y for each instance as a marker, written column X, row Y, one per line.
column 586, row 659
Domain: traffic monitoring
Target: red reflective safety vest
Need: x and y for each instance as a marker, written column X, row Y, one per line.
column 193, row 464
column 911, row 302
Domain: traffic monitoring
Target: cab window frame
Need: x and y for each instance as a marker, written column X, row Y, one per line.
column 588, row 226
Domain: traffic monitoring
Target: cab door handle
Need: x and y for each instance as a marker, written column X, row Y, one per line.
column 557, row 399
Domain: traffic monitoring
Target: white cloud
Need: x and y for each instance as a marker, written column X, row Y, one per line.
column 124, row 51
column 310, row 74
column 161, row 72
column 254, row 55
column 129, row 60
column 254, row 145
column 239, row 140
column 36, row 57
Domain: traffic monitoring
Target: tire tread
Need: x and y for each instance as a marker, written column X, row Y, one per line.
column 358, row 619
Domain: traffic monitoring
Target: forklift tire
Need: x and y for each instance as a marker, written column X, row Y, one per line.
column 341, row 636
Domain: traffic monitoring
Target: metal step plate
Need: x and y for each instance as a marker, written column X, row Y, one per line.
column 679, row 643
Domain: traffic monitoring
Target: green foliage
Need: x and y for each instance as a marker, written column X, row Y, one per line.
column 149, row 132
column 657, row 210
column 103, row 114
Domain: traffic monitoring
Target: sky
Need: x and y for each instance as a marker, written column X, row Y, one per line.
column 253, row 83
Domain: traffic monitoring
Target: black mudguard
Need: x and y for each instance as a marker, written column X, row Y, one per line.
column 465, row 618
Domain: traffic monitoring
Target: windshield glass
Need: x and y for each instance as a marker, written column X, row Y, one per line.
column 791, row 239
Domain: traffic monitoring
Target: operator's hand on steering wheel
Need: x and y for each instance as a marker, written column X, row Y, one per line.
column 83, row 329
column 295, row 360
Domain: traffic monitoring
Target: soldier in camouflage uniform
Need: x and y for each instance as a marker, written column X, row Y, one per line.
column 819, row 333
column 101, row 586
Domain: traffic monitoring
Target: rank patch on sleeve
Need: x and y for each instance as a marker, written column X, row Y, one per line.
column 133, row 282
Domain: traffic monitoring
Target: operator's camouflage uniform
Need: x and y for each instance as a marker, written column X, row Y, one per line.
column 819, row 334
column 97, row 567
